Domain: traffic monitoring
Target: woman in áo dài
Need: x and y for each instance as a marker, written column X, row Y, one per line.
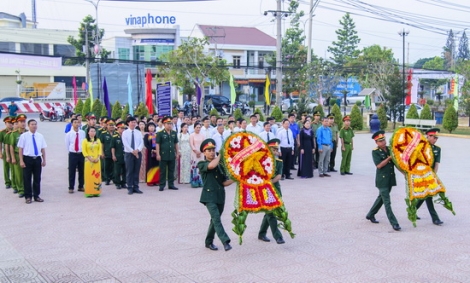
column 153, row 172
column 91, row 149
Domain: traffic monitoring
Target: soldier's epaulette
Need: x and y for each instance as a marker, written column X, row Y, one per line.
column 376, row 148
column 278, row 160
column 437, row 146
column 115, row 136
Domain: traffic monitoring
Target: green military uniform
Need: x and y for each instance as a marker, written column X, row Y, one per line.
column 213, row 197
column 119, row 165
column 347, row 136
column 269, row 220
column 167, row 142
column 6, row 165
column 106, row 139
column 384, row 181
column 16, row 168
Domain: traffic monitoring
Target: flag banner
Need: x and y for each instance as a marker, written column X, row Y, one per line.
column 267, row 91
column 106, row 97
column 129, row 94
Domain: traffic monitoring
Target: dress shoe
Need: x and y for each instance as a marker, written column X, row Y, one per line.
column 70, row 191
column 80, row 190
column 107, row 183
column 293, row 168
column 322, row 175
column 161, row 189
column 396, row 227
column 28, row 201
column 15, row 191
column 212, row 247
column 173, row 188
column 333, row 170
column 280, row 241
column 348, row 173
column 342, row 173
column 437, row 222
column 38, row 199
column 8, row 187
column 137, row 191
column 372, row 219
column 264, row 239
column 290, row 178
column 326, row 175
column 118, row 187
column 21, row 195
column 417, row 217
column 227, row 246
column 124, row 186
column 130, row 192
column 282, row 178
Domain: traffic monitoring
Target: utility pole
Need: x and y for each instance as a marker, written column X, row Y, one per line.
column 309, row 35
column 403, row 34
column 87, row 58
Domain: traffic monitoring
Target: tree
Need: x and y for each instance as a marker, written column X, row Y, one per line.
column 125, row 112
column 412, row 113
column 237, row 114
column 261, row 116
column 86, row 107
column 319, row 108
column 357, row 122
column 463, row 53
column 79, row 107
column 394, row 96
column 104, row 111
column 214, row 112
column 142, row 110
column 437, row 63
column 449, row 51
column 426, row 113
column 87, row 26
column 345, row 48
column 451, row 119
column 338, row 117
column 420, row 63
column 382, row 113
column 96, row 108
column 277, row 114
column 191, row 63
column 117, row 110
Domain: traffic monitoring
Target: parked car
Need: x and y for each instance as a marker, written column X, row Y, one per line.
column 13, row 98
column 398, row 111
column 286, row 103
column 218, row 102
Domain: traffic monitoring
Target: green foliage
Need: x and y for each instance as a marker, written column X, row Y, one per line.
column 420, row 63
column 117, row 110
column 430, row 102
column 394, row 94
column 79, row 107
column 356, row 119
column 426, row 113
column 96, row 108
column 237, row 114
column 436, row 63
column 86, row 107
column 214, row 112
column 319, row 107
column 358, row 103
column 125, row 112
column 412, row 112
column 338, row 117
column 451, row 119
column 261, row 116
column 277, row 114
column 104, row 111
column 302, row 106
column 382, row 113
column 345, row 48
column 142, row 110
column 333, row 102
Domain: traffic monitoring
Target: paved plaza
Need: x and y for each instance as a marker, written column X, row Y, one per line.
column 159, row 236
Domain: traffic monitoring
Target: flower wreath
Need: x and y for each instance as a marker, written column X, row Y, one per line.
column 413, row 156
column 250, row 163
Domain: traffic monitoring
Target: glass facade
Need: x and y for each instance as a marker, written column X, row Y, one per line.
column 7, row 46
column 150, row 52
column 64, row 50
column 124, row 53
column 34, row 48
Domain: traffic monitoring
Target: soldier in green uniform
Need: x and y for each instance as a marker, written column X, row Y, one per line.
column 14, row 154
column 91, row 121
column 214, row 182
column 117, row 152
column 334, row 138
column 315, row 125
column 167, row 153
column 106, row 138
column 6, row 144
column 384, row 180
column 346, row 134
column 102, row 128
column 6, row 165
column 432, row 137
column 269, row 220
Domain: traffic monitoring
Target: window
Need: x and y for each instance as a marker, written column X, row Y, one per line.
column 7, row 46
column 35, row 48
column 236, row 62
column 124, row 53
column 64, row 50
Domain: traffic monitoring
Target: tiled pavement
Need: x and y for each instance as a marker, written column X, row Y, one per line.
column 159, row 236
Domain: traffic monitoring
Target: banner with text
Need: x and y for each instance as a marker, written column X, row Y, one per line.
column 164, row 99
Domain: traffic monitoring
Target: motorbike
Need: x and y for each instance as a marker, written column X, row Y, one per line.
column 226, row 110
column 50, row 115
column 68, row 112
column 243, row 107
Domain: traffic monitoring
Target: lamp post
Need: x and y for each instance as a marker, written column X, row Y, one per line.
column 403, row 34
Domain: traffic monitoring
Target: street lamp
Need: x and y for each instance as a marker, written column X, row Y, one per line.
column 97, row 31
column 403, row 34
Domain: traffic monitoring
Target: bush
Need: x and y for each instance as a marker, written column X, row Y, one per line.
column 96, row 108
column 430, row 102
column 142, row 110
column 358, row 103
column 412, row 113
column 451, row 119
column 356, row 119
column 277, row 114
column 125, row 112
column 426, row 113
column 261, row 116
column 320, row 108
column 332, row 101
column 237, row 114
column 382, row 113
column 86, row 107
column 338, row 117
column 117, row 110
column 79, row 107
column 214, row 112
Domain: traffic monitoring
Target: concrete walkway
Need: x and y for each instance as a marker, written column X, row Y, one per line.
column 159, row 236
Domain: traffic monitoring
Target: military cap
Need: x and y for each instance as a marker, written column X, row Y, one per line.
column 104, row 119
column 304, row 113
column 21, row 117
column 90, row 115
column 346, row 118
column 207, row 144
column 378, row 136
column 110, row 122
column 274, row 142
column 316, row 113
column 121, row 125
column 7, row 119
column 166, row 119
column 433, row 132
column 331, row 115
column 13, row 120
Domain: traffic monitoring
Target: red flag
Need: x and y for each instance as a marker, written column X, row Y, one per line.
column 75, row 94
column 148, row 97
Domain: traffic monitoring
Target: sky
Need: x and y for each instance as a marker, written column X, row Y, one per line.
column 377, row 21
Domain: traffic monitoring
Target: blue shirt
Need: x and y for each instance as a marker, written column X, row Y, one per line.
column 68, row 127
column 294, row 128
column 324, row 136
column 12, row 109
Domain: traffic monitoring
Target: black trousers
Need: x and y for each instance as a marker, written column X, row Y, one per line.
column 33, row 169
column 132, row 170
column 108, row 169
column 287, row 157
column 333, row 155
column 76, row 160
column 119, row 173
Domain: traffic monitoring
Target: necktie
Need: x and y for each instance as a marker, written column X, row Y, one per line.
column 268, row 136
column 287, row 133
column 36, row 153
column 222, row 138
column 76, row 143
column 132, row 141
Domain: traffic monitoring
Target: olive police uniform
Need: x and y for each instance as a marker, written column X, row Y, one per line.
column 6, row 165
column 436, row 150
column 7, row 145
column 269, row 220
column 334, row 139
column 347, row 136
column 106, row 139
column 384, row 181
column 119, row 165
column 17, row 169
column 213, row 195
column 167, row 142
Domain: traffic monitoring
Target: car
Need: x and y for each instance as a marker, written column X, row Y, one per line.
column 218, row 101
column 13, row 98
column 399, row 108
column 286, row 104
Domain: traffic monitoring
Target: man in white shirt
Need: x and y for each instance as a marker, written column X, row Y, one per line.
column 242, row 125
column 219, row 137
column 206, row 129
column 286, row 137
column 230, row 130
column 32, row 153
column 266, row 135
column 133, row 144
column 191, row 126
column 180, row 120
column 258, row 120
column 274, row 126
column 73, row 144
column 253, row 126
